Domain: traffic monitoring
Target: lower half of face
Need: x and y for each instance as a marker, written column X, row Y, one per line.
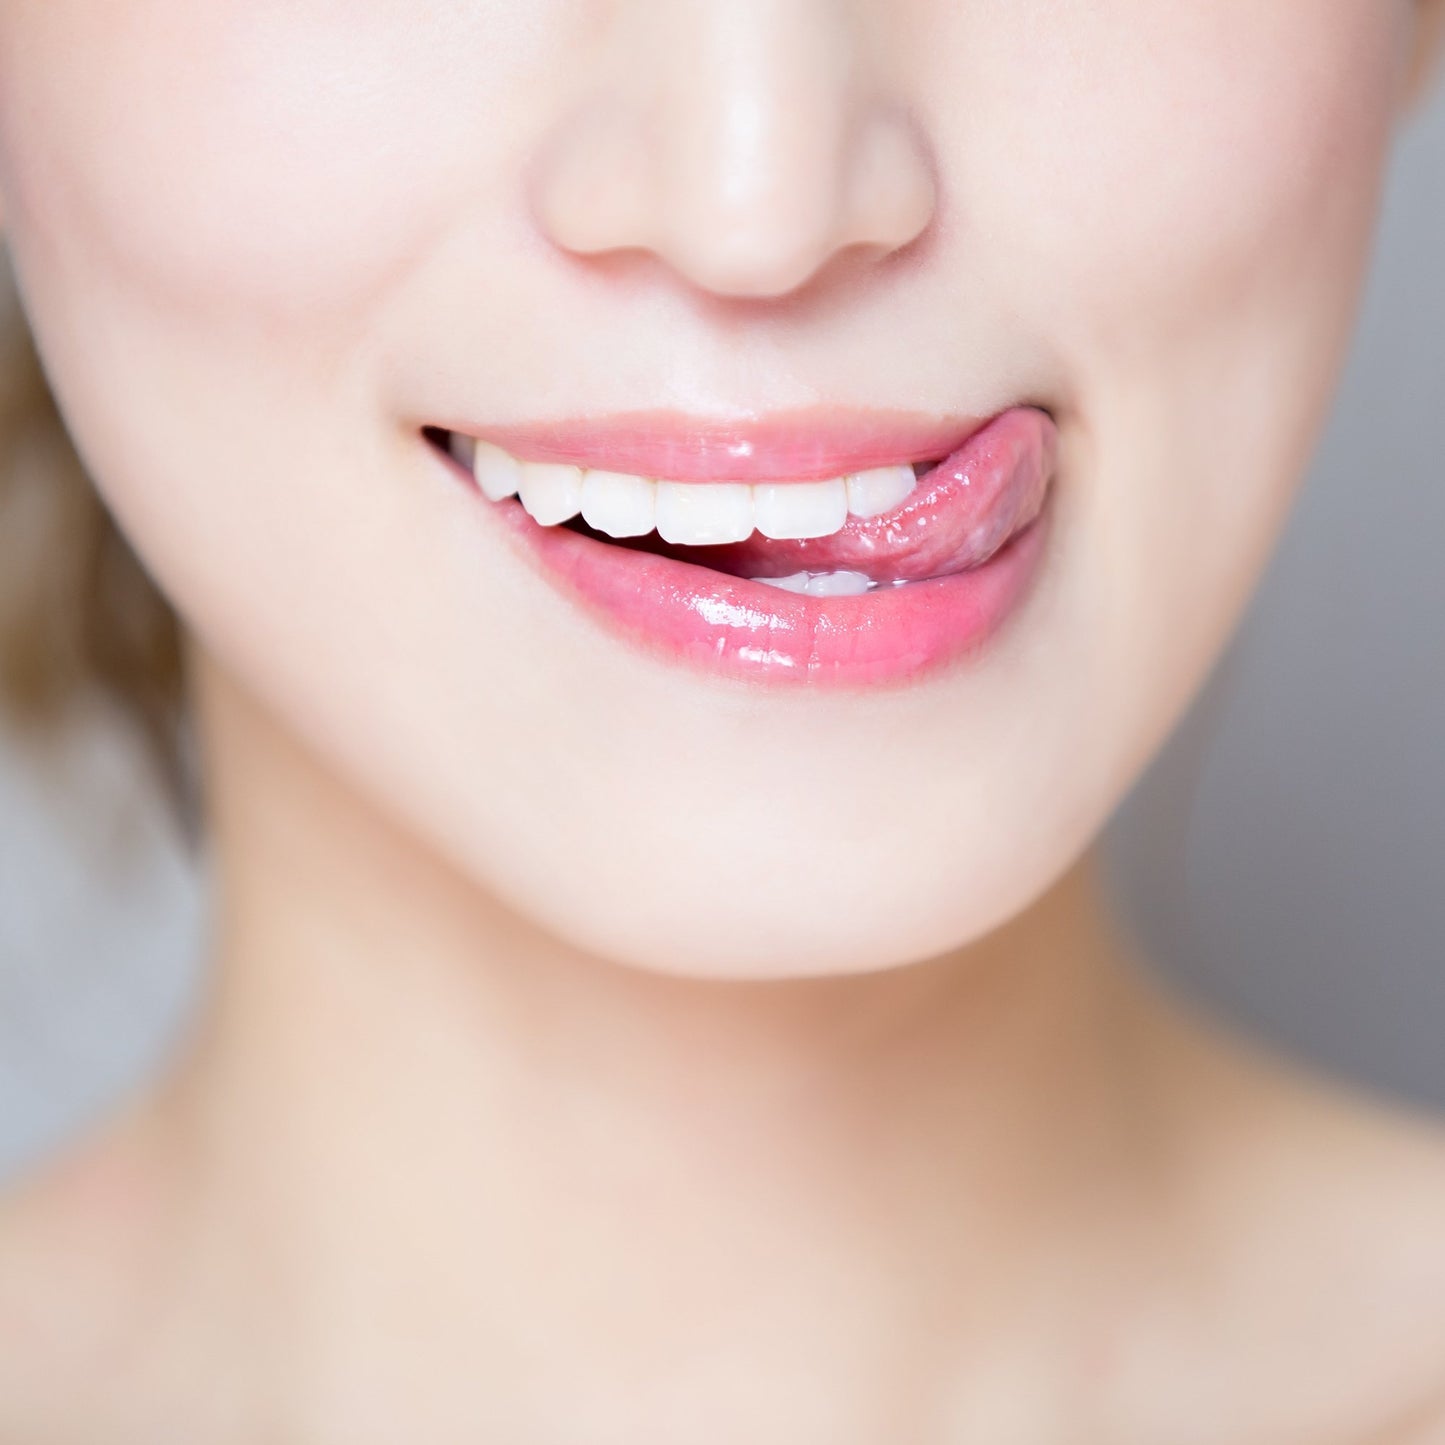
column 274, row 255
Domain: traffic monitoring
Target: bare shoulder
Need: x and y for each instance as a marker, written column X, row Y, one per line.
column 1322, row 1205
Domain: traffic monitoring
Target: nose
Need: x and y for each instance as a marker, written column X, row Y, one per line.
column 744, row 143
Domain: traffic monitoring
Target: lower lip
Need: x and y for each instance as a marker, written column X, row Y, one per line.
column 730, row 626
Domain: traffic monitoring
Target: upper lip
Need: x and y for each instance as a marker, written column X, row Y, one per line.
column 810, row 444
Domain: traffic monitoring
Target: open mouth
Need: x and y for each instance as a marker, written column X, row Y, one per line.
column 843, row 536
column 857, row 577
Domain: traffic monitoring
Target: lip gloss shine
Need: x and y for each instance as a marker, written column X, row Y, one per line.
column 689, row 614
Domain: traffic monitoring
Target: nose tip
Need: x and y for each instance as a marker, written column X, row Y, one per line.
column 747, row 178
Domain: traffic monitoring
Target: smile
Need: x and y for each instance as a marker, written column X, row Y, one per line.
column 782, row 553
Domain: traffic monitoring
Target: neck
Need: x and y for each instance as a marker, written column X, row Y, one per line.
column 413, row 1094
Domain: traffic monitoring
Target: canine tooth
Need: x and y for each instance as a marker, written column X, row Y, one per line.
column 798, row 582
column 700, row 514
column 498, row 473
column 880, row 490
column 551, row 492
column 618, row 503
column 788, row 510
column 837, row 584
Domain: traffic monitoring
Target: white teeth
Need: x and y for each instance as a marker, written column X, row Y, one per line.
column 872, row 493
column 551, row 492
column 498, row 473
column 700, row 514
column 619, row 504
column 822, row 584
column 838, row 584
column 800, row 509
column 690, row 513
column 798, row 582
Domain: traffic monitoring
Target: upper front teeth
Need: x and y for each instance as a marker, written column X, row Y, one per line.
column 701, row 514
column 550, row 492
column 691, row 513
column 619, row 504
column 803, row 509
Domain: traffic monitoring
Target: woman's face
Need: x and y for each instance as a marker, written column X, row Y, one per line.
column 263, row 243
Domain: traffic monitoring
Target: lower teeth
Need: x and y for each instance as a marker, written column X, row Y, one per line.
column 826, row 584
column 812, row 584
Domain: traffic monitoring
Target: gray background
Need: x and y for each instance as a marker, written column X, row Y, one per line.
column 1284, row 860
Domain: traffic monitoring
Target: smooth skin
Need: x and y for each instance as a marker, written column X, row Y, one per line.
column 595, row 1051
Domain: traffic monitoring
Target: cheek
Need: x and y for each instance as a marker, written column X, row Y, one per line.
column 1207, row 280
column 240, row 154
column 1178, row 201
column 1164, row 164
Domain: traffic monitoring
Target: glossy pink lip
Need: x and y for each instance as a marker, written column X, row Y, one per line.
column 689, row 614
column 807, row 445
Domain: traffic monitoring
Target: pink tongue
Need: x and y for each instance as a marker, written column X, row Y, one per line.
column 957, row 516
